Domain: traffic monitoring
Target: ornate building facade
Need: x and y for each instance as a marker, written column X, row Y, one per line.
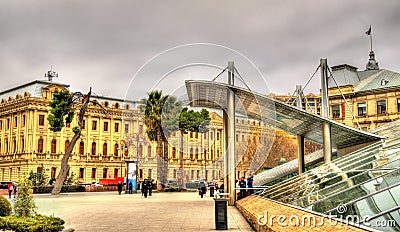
column 111, row 135
column 363, row 99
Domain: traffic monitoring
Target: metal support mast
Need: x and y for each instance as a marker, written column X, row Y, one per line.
column 326, row 128
column 300, row 138
column 229, row 129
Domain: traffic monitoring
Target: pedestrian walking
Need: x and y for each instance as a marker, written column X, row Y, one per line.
column 242, row 186
column 15, row 190
column 119, row 187
column 221, row 188
column 250, row 185
column 145, row 188
column 10, row 188
column 150, row 187
column 130, row 187
column 202, row 189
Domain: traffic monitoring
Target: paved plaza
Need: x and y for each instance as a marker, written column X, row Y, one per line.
column 108, row 211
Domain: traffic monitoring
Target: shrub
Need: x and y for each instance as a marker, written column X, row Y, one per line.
column 37, row 223
column 5, row 207
column 24, row 205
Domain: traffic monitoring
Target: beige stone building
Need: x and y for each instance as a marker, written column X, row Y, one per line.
column 362, row 99
column 108, row 139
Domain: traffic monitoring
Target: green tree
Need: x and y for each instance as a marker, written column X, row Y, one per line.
column 63, row 106
column 194, row 121
column 24, row 205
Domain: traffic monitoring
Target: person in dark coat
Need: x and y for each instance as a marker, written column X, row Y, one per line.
column 130, row 187
column 145, row 188
column 242, row 186
column 119, row 187
column 221, row 188
column 250, row 185
column 202, row 189
column 150, row 187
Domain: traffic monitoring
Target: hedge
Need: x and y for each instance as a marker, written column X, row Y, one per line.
column 38, row 223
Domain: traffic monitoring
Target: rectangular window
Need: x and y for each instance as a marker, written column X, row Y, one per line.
column 41, row 120
column 381, row 107
column 93, row 173
column 53, row 172
column 83, row 124
column 94, row 125
column 150, row 174
column 126, row 128
column 1, row 124
column 336, row 111
column 81, row 173
column 116, row 127
column 217, row 135
column 23, row 120
column 105, row 172
column 8, row 123
column 15, row 121
column 362, row 109
column 105, row 126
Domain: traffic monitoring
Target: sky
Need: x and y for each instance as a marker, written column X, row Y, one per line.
column 123, row 49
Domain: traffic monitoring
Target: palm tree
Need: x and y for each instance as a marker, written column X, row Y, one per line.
column 161, row 116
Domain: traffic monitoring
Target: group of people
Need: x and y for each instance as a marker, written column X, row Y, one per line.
column 12, row 189
column 243, row 182
column 146, row 187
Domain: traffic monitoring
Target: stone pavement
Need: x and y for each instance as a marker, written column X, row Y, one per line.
column 108, row 211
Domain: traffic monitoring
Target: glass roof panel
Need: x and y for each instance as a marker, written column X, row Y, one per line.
column 355, row 192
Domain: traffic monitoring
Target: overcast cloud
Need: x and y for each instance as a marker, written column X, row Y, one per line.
column 103, row 44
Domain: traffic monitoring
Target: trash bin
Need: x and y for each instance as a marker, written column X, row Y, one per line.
column 211, row 191
column 221, row 208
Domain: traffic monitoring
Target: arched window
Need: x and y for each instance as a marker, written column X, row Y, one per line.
column 116, row 105
column 126, row 151
column 104, row 149
column 149, row 151
column 106, row 104
column 173, row 153
column 40, row 145
column 116, row 149
column 140, row 150
column 81, row 148
column 94, row 148
column 53, row 146
column 66, row 145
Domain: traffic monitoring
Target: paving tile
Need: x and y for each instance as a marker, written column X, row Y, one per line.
column 108, row 211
